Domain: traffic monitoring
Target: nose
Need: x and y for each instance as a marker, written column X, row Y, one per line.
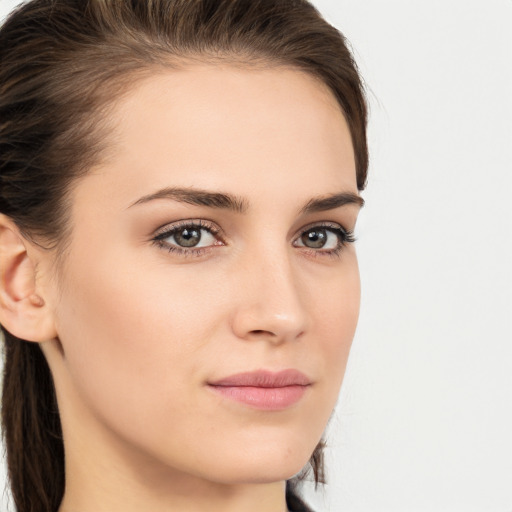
column 269, row 300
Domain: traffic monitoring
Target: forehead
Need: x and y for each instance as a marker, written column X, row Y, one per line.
column 230, row 126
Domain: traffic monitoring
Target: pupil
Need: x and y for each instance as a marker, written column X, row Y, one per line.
column 315, row 239
column 188, row 237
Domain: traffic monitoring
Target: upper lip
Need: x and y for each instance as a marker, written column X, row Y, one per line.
column 264, row 379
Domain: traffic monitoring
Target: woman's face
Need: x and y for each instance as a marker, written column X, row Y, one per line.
column 213, row 242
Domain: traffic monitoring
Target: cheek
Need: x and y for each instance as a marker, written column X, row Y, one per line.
column 130, row 337
column 336, row 316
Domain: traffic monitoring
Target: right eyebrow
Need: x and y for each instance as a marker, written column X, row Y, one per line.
column 197, row 197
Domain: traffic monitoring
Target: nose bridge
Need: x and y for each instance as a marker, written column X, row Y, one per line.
column 271, row 303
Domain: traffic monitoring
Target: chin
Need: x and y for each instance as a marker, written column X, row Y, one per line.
column 262, row 468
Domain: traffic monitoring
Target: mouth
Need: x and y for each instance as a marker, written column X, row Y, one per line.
column 262, row 389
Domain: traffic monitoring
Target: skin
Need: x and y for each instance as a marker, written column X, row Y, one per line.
column 139, row 331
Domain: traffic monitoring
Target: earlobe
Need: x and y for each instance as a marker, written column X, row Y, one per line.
column 23, row 311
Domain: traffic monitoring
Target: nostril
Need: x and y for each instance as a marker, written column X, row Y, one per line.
column 261, row 331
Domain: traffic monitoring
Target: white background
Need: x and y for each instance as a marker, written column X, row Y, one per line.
column 424, row 422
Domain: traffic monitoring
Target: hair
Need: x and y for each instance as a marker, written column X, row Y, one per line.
column 63, row 63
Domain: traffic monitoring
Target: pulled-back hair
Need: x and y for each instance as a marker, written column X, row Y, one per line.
column 63, row 63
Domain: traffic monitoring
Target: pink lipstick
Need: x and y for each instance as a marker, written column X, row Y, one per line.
column 262, row 389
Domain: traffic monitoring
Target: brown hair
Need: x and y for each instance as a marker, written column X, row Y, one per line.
column 61, row 63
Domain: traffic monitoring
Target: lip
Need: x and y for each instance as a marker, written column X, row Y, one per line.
column 263, row 389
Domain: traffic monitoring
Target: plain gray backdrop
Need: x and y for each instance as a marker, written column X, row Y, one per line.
column 424, row 421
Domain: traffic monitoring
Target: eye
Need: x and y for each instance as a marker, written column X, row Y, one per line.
column 188, row 236
column 319, row 238
column 329, row 239
column 191, row 237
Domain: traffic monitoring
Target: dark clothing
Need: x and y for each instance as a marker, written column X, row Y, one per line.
column 294, row 503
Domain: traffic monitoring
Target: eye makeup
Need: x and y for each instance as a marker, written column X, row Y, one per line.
column 324, row 239
column 187, row 237
column 198, row 237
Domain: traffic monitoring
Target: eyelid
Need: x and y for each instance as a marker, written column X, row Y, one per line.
column 336, row 226
column 166, row 229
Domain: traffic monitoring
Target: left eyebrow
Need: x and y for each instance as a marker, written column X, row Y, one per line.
column 331, row 202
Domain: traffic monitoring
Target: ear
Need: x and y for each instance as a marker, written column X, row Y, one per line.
column 24, row 312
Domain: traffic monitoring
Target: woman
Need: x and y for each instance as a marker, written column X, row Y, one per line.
column 179, row 288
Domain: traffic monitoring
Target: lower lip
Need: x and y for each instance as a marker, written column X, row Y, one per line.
column 266, row 399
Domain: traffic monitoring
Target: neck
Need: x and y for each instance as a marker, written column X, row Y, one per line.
column 115, row 493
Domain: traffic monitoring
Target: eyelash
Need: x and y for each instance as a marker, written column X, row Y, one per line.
column 344, row 236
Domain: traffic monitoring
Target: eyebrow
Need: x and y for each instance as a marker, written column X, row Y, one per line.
column 237, row 204
column 332, row 202
column 198, row 197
